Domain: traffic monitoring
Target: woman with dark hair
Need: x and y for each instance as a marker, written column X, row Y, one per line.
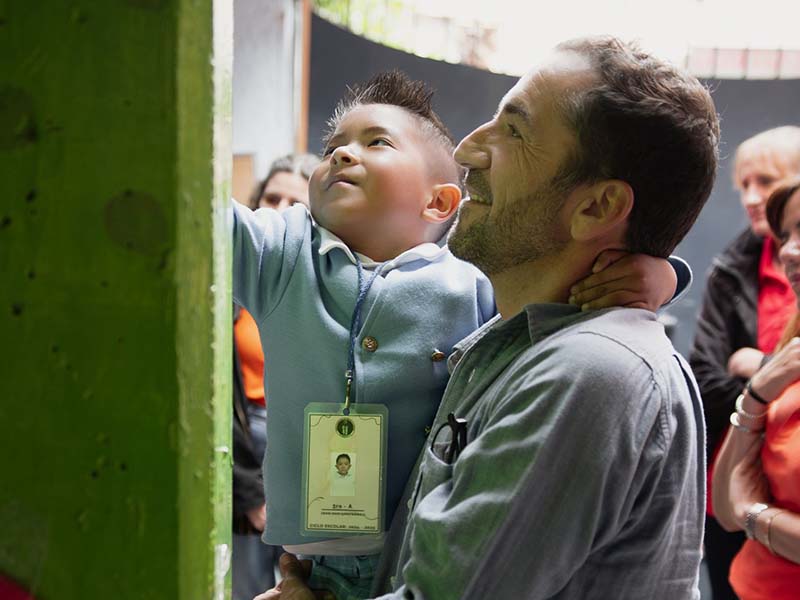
column 756, row 483
column 285, row 184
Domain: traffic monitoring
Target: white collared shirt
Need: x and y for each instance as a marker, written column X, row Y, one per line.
column 426, row 251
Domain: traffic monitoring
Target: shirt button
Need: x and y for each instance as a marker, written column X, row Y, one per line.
column 370, row 344
column 437, row 356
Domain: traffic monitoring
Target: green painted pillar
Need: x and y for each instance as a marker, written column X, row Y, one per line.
column 115, row 297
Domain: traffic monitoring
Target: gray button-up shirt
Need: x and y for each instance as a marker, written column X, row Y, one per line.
column 583, row 476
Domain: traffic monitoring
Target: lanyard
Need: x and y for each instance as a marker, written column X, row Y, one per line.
column 355, row 325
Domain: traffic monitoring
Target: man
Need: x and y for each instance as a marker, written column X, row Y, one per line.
column 567, row 457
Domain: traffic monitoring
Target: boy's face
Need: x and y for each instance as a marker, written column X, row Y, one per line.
column 342, row 466
column 374, row 178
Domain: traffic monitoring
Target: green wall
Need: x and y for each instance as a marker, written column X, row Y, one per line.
column 114, row 254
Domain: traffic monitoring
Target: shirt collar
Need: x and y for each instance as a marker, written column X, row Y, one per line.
column 427, row 251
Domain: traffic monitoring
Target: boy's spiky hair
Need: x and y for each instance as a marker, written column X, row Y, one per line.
column 397, row 89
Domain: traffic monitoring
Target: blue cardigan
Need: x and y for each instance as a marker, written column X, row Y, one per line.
column 303, row 302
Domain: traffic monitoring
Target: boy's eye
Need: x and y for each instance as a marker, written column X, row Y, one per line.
column 327, row 151
column 380, row 142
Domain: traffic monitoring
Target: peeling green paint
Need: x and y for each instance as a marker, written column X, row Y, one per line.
column 115, row 298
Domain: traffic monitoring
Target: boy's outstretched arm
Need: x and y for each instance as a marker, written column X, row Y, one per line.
column 634, row 280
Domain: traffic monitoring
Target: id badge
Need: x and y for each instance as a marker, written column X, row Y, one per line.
column 344, row 469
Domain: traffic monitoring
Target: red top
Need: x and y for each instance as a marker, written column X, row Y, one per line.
column 9, row 590
column 776, row 305
column 251, row 357
column 776, row 300
column 755, row 573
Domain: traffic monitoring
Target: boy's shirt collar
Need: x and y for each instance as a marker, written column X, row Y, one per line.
column 427, row 251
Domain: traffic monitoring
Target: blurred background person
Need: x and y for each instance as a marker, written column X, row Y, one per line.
column 286, row 183
column 757, row 473
column 253, row 561
column 747, row 303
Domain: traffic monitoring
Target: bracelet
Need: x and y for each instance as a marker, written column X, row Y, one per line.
column 750, row 519
column 757, row 397
column 737, row 424
column 768, row 543
column 743, row 413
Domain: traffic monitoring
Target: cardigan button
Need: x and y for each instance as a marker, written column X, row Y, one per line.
column 369, row 343
column 438, row 355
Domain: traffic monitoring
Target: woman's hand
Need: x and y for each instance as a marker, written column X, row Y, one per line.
column 745, row 362
column 747, row 483
column 778, row 373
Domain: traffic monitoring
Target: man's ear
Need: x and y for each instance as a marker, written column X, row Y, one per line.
column 600, row 209
column 443, row 202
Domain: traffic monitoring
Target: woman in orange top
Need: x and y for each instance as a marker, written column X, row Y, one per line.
column 756, row 485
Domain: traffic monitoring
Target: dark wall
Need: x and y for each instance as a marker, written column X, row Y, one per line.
column 466, row 97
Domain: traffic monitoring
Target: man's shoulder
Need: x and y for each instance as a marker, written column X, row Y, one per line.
column 617, row 352
column 611, row 335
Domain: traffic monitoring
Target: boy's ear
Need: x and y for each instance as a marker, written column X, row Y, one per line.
column 443, row 202
column 600, row 209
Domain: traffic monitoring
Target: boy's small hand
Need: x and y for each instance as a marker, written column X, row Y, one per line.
column 623, row 279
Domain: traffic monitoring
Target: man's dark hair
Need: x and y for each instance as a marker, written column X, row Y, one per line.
column 650, row 125
column 397, row 89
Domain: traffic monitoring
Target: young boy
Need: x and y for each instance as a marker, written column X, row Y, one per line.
column 361, row 286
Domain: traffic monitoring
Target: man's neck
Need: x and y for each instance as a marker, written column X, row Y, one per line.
column 537, row 282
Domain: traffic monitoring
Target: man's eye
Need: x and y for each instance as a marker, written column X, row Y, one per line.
column 513, row 131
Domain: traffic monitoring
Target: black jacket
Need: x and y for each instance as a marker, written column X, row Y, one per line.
column 727, row 322
column 248, row 484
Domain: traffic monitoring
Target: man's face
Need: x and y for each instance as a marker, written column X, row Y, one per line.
column 343, row 465
column 513, row 214
column 757, row 175
column 284, row 190
column 374, row 174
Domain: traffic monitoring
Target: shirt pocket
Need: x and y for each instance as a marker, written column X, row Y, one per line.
column 434, row 470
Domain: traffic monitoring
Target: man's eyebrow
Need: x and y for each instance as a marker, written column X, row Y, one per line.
column 517, row 110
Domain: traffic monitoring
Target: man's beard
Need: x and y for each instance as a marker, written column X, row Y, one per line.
column 525, row 231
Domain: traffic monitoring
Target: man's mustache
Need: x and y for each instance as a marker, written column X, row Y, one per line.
column 476, row 182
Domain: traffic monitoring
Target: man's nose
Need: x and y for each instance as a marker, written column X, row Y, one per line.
column 471, row 152
column 343, row 155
